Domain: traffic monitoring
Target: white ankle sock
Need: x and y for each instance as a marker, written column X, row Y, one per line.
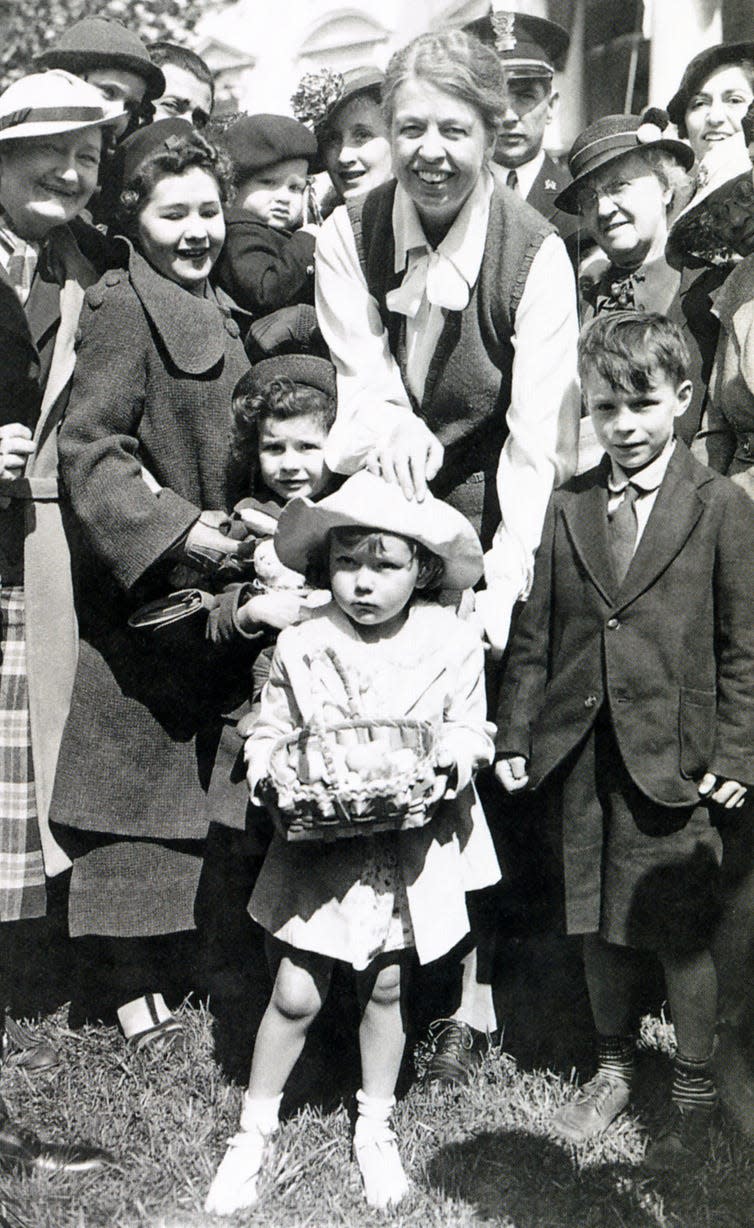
column 376, row 1152
column 260, row 1113
column 142, row 1013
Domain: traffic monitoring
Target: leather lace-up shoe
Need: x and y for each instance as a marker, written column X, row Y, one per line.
column 597, row 1105
column 22, row 1148
column 456, row 1051
column 682, row 1142
column 20, row 1047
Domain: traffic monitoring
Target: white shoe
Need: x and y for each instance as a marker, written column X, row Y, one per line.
column 235, row 1182
column 376, row 1153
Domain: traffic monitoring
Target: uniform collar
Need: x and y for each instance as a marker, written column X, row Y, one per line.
column 647, row 479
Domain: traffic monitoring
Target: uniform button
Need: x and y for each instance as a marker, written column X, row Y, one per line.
column 613, row 624
column 590, row 701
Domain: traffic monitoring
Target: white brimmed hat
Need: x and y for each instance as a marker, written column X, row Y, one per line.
column 368, row 502
column 51, row 103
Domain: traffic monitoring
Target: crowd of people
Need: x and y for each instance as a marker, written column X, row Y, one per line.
column 375, row 419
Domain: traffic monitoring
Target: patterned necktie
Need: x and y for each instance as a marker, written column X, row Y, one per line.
column 512, row 182
column 622, row 527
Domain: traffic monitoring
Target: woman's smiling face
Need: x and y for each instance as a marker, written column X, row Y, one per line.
column 181, row 228
column 46, row 181
column 440, row 145
column 355, row 148
column 716, row 111
column 624, row 207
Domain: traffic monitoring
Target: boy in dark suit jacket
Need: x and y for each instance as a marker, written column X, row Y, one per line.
column 630, row 692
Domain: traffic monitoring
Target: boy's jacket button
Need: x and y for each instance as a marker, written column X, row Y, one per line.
column 613, row 624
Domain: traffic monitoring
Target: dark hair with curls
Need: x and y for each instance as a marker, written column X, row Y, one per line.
column 457, row 63
column 629, row 349
column 279, row 400
column 184, row 154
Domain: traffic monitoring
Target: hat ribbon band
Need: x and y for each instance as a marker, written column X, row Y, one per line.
column 608, row 142
column 55, row 115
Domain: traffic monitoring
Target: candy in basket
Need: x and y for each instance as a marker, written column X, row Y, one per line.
column 355, row 777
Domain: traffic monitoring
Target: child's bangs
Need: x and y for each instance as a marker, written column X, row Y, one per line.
column 368, row 544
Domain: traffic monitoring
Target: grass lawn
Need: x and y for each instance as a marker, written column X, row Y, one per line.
column 476, row 1156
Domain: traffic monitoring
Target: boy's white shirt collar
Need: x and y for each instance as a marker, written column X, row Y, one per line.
column 448, row 273
column 647, row 479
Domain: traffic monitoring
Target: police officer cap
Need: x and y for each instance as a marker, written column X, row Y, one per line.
column 528, row 46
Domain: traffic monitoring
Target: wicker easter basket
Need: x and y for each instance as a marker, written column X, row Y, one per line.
column 355, row 777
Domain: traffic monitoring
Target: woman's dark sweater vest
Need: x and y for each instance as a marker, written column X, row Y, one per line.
column 468, row 385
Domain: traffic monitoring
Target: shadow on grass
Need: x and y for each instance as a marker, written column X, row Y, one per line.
column 511, row 1177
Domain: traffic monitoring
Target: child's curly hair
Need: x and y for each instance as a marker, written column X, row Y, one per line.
column 184, row 154
column 280, row 399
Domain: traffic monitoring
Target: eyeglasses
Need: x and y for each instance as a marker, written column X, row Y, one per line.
column 587, row 198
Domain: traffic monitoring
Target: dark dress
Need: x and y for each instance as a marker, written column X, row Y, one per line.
column 155, row 373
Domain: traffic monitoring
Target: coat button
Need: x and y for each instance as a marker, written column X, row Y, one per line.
column 232, row 328
column 613, row 624
column 112, row 277
column 590, row 701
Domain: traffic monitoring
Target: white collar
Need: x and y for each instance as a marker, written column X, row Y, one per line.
column 448, row 273
column 647, row 479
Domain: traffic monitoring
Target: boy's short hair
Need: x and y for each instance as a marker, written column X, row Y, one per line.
column 280, row 398
column 627, row 348
column 163, row 52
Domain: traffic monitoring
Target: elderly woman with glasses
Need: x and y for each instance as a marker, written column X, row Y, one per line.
column 626, row 177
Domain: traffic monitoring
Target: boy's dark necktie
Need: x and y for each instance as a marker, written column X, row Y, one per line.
column 622, row 527
column 512, row 181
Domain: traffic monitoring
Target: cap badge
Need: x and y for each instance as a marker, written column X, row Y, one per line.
column 503, row 27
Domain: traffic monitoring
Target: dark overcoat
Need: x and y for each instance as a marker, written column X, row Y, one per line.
column 670, row 651
column 154, row 378
column 264, row 269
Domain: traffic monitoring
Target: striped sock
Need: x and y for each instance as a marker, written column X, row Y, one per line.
column 615, row 1057
column 693, row 1088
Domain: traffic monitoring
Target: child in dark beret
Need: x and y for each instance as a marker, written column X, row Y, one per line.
column 268, row 259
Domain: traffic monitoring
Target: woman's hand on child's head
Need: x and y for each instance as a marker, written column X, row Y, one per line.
column 278, row 610
column 727, row 793
column 512, row 773
column 410, row 455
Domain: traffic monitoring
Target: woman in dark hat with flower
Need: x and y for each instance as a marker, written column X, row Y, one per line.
column 144, row 452
column 345, row 112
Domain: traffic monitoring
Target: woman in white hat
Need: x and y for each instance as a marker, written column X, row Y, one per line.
column 52, row 127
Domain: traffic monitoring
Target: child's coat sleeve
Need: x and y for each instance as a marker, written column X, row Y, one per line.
column 264, row 270
column 280, row 715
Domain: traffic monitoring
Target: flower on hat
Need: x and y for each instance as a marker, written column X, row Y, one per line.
column 315, row 96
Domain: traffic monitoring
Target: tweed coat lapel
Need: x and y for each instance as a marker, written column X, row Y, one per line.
column 586, row 524
column 676, row 511
column 191, row 328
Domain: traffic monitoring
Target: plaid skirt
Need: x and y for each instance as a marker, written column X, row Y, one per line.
column 22, row 876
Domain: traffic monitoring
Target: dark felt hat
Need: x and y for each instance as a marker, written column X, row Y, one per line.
column 304, row 369
column 528, row 46
column 256, row 141
column 158, row 137
column 96, row 42
column 364, row 80
column 698, row 69
column 609, row 139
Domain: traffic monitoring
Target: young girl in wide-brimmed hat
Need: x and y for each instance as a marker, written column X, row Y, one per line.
column 370, row 901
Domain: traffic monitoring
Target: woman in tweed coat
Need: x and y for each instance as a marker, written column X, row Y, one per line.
column 143, row 452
